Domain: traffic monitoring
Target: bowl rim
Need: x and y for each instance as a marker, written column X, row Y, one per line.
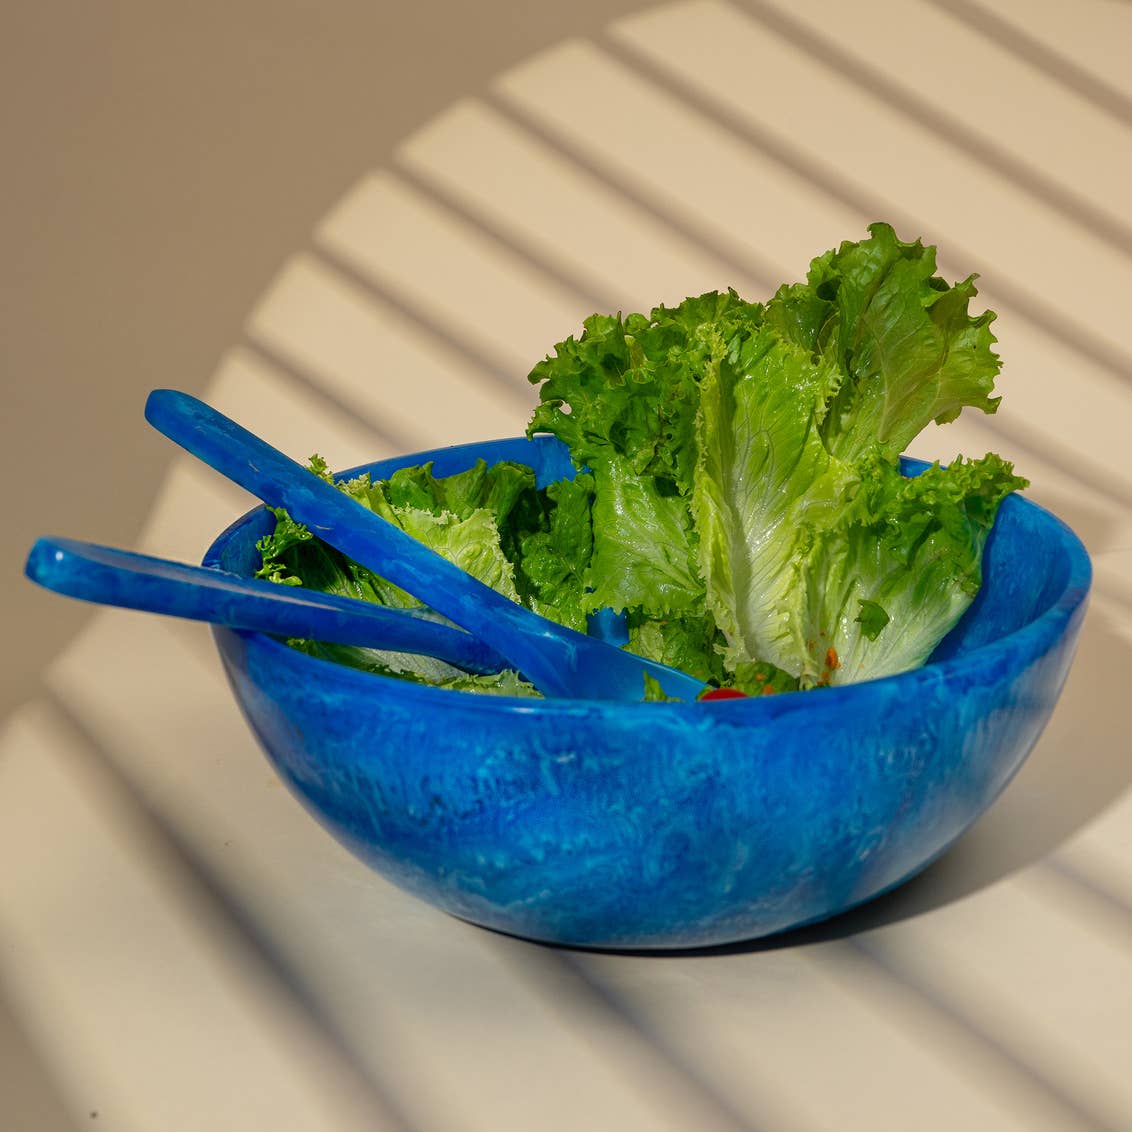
column 1033, row 639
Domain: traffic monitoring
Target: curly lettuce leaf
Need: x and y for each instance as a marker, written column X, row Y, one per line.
column 293, row 556
column 552, row 549
column 629, row 386
column 643, row 544
column 497, row 489
column 896, row 341
column 764, row 484
column 890, row 579
column 417, row 669
column 691, row 643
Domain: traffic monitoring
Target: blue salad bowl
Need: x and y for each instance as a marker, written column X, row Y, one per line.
column 667, row 825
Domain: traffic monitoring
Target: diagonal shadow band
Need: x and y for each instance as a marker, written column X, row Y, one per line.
column 1032, row 50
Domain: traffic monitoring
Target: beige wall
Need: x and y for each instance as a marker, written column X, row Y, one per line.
column 161, row 161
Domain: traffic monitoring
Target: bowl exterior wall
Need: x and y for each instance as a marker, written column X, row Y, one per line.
column 645, row 825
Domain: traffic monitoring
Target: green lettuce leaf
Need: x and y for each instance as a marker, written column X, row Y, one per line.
column 643, row 540
column 897, row 343
column 416, row 669
column 764, row 485
column 552, row 547
column 885, row 584
column 629, row 387
column 460, row 517
column 692, row 643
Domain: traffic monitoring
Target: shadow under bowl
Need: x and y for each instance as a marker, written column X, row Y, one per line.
column 667, row 825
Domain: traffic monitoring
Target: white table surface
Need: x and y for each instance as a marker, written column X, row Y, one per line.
column 185, row 949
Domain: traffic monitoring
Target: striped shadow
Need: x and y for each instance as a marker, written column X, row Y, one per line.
column 1020, row 42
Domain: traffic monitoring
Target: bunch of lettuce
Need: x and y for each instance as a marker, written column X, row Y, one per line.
column 742, row 503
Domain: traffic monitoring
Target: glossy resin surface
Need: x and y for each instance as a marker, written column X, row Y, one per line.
column 675, row 824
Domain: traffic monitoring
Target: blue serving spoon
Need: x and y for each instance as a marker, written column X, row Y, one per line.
column 201, row 593
column 560, row 662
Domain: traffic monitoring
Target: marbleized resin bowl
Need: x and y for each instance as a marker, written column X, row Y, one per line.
column 664, row 825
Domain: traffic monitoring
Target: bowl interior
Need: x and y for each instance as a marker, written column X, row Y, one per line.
column 1034, row 568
